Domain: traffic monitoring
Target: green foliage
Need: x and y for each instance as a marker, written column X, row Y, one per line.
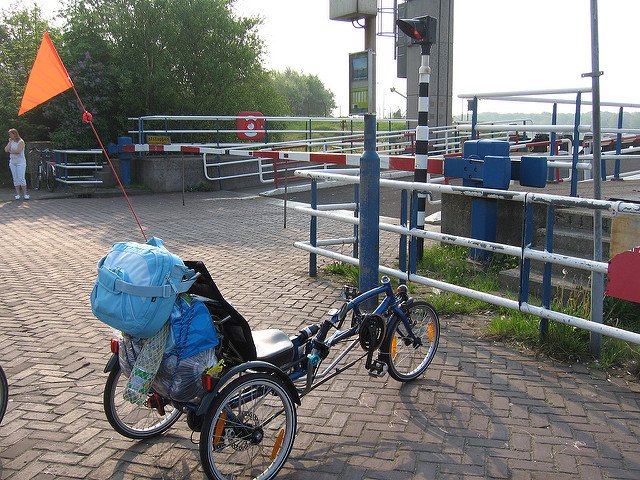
column 350, row 273
column 20, row 35
column 129, row 58
column 305, row 94
column 450, row 263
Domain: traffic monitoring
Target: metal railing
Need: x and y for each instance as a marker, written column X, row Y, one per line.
column 407, row 255
column 73, row 168
column 576, row 130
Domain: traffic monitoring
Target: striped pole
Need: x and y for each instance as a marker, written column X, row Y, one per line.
column 421, row 30
column 422, row 137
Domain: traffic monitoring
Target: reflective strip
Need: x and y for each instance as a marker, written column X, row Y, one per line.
column 423, row 104
column 422, row 133
column 421, row 162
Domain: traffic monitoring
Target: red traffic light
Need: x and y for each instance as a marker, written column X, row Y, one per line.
column 421, row 29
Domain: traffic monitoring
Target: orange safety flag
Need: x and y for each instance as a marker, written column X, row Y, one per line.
column 47, row 79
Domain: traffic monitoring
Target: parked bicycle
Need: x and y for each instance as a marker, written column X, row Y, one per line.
column 4, row 394
column 247, row 418
column 46, row 171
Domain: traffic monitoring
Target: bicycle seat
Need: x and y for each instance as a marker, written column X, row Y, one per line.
column 273, row 346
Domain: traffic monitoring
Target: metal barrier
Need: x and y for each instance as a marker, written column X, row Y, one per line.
column 525, row 252
column 553, row 129
column 77, row 172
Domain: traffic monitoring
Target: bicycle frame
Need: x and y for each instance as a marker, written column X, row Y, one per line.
column 312, row 346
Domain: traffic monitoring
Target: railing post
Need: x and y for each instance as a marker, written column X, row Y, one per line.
column 402, row 246
column 474, row 117
column 527, row 240
column 356, row 213
column 313, row 230
column 413, row 244
column 552, row 138
column 576, row 148
column 616, row 172
column 546, row 273
column 597, row 278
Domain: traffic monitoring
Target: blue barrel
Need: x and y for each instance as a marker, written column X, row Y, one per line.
column 125, row 160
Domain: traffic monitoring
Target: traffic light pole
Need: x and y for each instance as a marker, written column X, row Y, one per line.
column 423, row 31
column 422, row 138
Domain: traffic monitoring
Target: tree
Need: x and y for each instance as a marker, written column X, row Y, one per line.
column 20, row 35
column 306, row 94
column 177, row 57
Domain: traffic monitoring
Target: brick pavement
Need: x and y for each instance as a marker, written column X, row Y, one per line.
column 482, row 410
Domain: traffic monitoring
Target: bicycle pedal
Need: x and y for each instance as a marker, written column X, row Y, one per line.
column 378, row 369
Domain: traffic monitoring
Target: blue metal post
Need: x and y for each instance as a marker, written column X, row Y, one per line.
column 576, row 148
column 525, row 263
column 313, row 230
column 474, row 117
column 402, row 248
column 141, row 131
column 413, row 244
column 125, row 160
column 552, row 148
column 616, row 173
column 546, row 273
column 369, row 207
column 356, row 213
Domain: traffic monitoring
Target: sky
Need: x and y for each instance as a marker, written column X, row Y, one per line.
column 498, row 45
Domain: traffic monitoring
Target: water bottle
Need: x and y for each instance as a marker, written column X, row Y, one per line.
column 137, row 388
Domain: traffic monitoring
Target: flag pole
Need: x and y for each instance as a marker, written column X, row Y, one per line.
column 87, row 117
column 48, row 78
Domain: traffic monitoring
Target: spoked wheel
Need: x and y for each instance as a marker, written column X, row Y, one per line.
column 37, row 179
column 136, row 421
column 406, row 356
column 249, row 429
column 51, row 178
column 4, row 394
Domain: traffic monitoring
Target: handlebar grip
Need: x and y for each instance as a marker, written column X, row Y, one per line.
column 308, row 332
column 323, row 330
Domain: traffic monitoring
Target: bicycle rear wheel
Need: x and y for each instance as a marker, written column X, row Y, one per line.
column 37, row 179
column 249, row 429
column 4, row 394
column 135, row 421
column 408, row 358
column 51, row 178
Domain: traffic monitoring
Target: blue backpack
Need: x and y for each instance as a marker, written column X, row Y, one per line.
column 137, row 286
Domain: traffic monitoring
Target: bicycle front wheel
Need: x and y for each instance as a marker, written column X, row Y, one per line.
column 131, row 420
column 4, row 394
column 249, row 429
column 409, row 351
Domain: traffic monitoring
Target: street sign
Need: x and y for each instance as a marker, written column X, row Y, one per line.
column 361, row 65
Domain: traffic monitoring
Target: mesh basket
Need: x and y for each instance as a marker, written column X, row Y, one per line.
column 146, row 366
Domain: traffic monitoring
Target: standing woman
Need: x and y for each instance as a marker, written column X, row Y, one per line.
column 17, row 162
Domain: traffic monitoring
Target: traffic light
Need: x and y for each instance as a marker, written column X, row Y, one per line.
column 421, row 30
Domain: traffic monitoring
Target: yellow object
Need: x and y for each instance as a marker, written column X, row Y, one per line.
column 217, row 368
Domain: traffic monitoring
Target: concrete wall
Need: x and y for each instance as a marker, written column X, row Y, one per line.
column 166, row 173
column 456, row 218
